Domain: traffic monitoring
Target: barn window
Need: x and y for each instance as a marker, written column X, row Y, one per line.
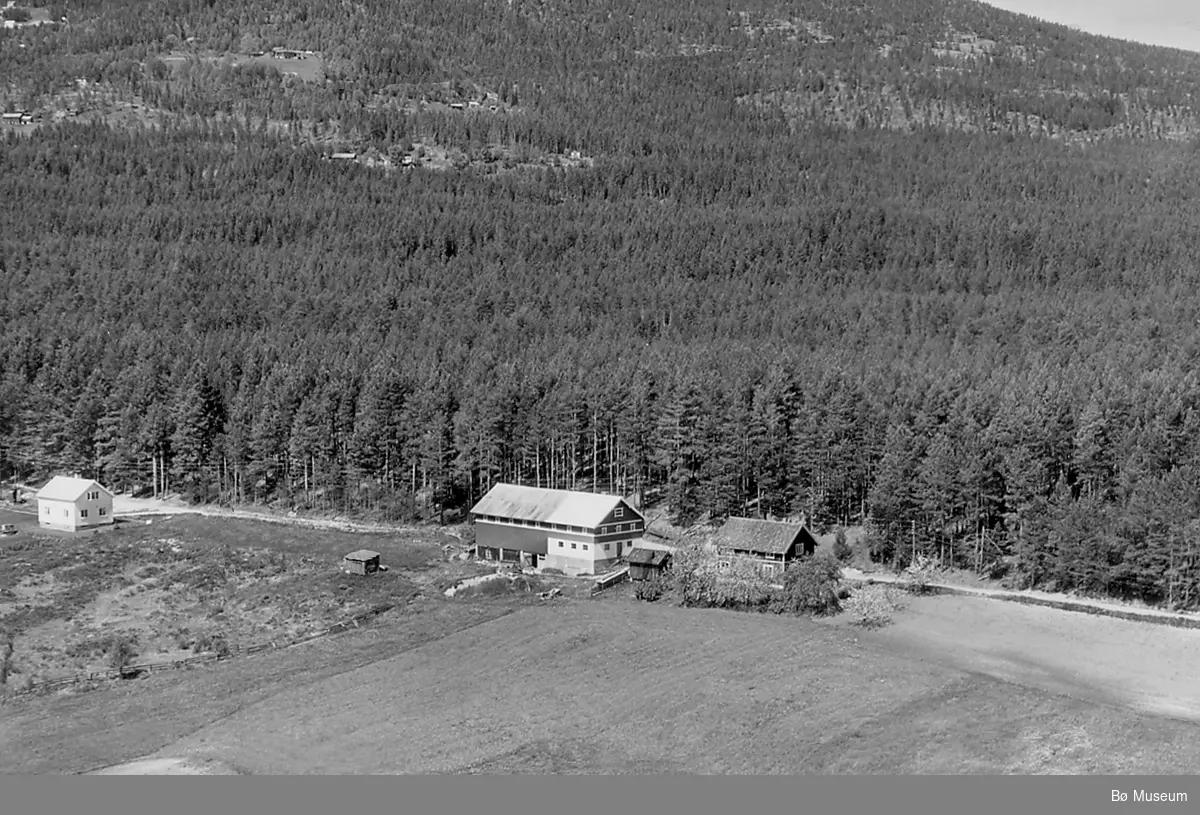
column 619, row 512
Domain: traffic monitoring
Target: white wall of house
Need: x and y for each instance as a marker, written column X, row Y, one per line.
column 575, row 558
column 94, row 508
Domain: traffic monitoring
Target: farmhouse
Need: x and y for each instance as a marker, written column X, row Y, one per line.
column 574, row 532
column 12, row 118
column 772, row 545
column 74, row 503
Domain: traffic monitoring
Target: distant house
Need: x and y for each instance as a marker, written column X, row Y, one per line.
column 364, row 561
column 574, row 532
column 771, row 545
column 74, row 503
column 645, row 564
column 344, row 156
column 12, row 118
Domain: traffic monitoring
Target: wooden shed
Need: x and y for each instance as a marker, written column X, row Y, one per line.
column 364, row 561
column 645, row 564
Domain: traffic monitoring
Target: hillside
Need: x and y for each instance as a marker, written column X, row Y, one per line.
column 923, row 262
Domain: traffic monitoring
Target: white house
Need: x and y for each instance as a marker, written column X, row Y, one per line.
column 74, row 503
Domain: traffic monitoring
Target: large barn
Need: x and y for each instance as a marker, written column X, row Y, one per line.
column 574, row 532
column 771, row 545
column 74, row 503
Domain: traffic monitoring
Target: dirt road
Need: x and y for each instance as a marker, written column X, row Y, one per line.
column 1062, row 602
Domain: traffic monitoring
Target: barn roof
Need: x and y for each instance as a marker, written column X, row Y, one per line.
column 362, row 555
column 648, row 557
column 584, row 509
column 755, row 535
column 65, row 488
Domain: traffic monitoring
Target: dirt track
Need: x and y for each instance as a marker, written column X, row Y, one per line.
column 1145, row 667
column 1040, row 598
column 125, row 506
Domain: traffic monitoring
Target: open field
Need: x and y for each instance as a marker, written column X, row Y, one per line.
column 177, row 586
column 613, row 687
column 70, row 732
column 309, row 69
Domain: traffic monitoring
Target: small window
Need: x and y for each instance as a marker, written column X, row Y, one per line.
column 45, row 510
column 560, row 545
column 572, row 546
column 607, row 547
column 103, row 512
column 619, row 512
column 66, row 513
column 83, row 513
column 585, row 547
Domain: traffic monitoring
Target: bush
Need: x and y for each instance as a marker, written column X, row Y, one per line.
column 212, row 643
column 810, row 586
column 872, row 606
column 649, row 590
column 121, row 651
column 841, row 548
column 700, row 584
column 6, row 652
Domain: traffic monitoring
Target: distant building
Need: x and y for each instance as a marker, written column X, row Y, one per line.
column 344, row 156
column 574, row 532
column 771, row 545
column 364, row 561
column 645, row 564
column 12, row 118
column 74, row 503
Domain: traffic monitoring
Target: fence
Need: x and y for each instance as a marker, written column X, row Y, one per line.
column 610, row 580
column 131, row 671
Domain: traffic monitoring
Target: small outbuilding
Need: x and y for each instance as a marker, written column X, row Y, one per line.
column 645, row 564
column 364, row 561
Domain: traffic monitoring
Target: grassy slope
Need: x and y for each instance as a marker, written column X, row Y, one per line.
column 68, row 733
column 606, row 687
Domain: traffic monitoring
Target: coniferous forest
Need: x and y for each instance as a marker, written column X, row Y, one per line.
column 918, row 264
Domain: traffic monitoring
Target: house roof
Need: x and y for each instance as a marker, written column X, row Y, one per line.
column 647, row 543
column 65, row 488
column 648, row 557
column 755, row 535
column 361, row 555
column 565, row 507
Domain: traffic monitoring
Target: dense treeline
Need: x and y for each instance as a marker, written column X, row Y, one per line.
column 983, row 345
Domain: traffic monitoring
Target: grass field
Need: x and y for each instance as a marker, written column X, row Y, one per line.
column 615, row 687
